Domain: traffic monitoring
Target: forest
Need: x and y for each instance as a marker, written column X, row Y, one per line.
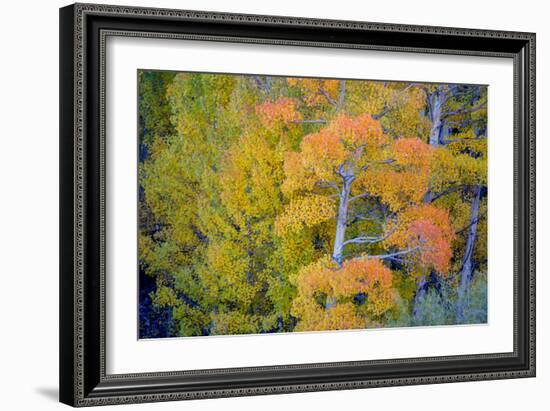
column 275, row 204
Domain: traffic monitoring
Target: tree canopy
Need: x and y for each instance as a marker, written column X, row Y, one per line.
column 278, row 204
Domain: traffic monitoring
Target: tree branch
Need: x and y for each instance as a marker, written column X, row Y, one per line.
column 384, row 111
column 327, row 184
column 363, row 240
column 362, row 217
column 445, row 192
column 370, row 215
column 397, row 253
column 318, row 121
column 388, row 161
column 387, row 109
column 464, row 111
column 328, row 97
column 358, row 196
column 264, row 85
column 454, row 140
column 481, row 216
column 366, row 239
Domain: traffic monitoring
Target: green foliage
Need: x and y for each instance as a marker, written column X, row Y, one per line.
column 438, row 306
column 154, row 110
column 476, row 301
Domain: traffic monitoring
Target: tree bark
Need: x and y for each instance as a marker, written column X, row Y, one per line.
column 342, row 220
column 341, row 223
column 436, row 101
column 419, row 295
column 342, row 96
column 466, row 270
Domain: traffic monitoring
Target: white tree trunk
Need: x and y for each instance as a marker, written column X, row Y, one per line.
column 467, row 264
column 342, row 96
column 341, row 222
column 436, row 101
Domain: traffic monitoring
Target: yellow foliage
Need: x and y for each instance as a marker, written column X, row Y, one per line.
column 396, row 189
column 249, row 178
column 165, row 297
column 400, row 103
column 307, row 211
column 364, row 275
column 252, row 187
column 316, row 91
column 228, row 272
column 452, row 167
column 234, row 322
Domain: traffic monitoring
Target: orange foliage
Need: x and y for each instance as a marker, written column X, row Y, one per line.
column 428, row 228
column 358, row 140
column 338, row 141
column 436, row 247
column 403, row 182
column 244, row 214
column 324, row 145
column 361, row 275
column 356, row 131
column 284, row 110
column 412, row 152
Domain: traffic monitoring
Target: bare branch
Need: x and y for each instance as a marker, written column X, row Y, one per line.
column 362, row 217
column 363, row 240
column 367, row 239
column 318, row 121
column 358, row 196
column 445, row 192
column 327, row 184
column 264, row 85
column 389, row 108
column 388, row 161
column 371, row 215
column 464, row 111
column 384, row 111
column 397, row 253
column 481, row 217
column 454, row 140
column 328, row 97
column 408, row 86
column 396, row 259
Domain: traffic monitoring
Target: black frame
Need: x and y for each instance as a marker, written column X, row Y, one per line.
column 83, row 30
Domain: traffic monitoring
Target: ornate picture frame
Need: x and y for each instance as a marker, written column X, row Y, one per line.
column 84, row 30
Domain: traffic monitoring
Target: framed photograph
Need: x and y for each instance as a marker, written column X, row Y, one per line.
column 259, row 205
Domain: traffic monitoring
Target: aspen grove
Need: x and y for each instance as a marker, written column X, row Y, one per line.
column 280, row 204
